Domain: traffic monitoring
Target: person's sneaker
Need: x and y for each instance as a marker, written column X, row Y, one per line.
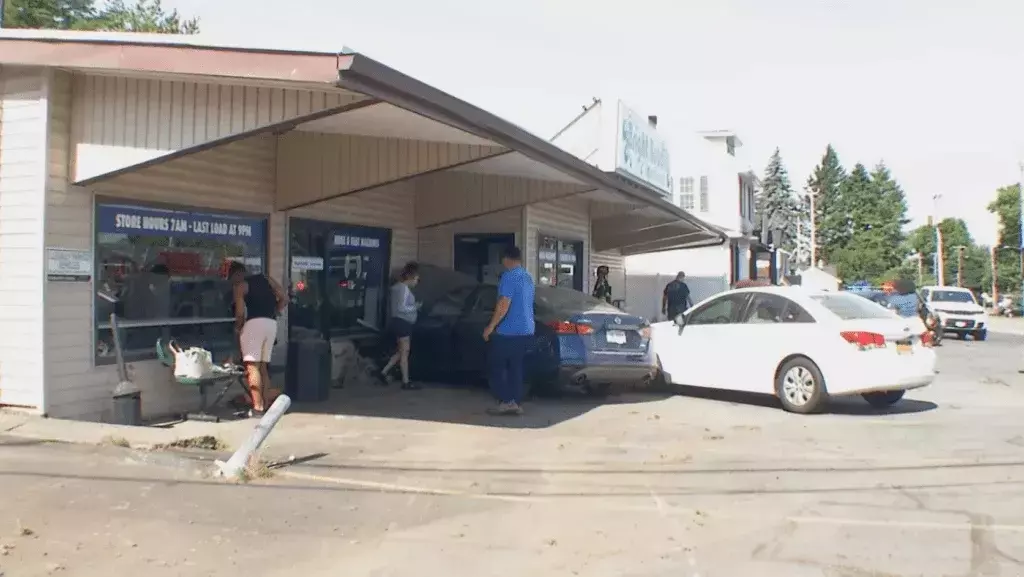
column 411, row 387
column 254, row 414
column 506, row 409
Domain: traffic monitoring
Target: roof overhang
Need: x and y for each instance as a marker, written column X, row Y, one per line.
column 359, row 73
column 183, row 56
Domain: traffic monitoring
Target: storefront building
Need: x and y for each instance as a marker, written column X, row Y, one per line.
column 135, row 169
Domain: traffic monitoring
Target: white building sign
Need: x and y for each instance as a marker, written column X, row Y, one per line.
column 640, row 152
column 68, row 265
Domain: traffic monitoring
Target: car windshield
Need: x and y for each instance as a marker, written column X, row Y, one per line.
column 952, row 297
column 563, row 300
column 437, row 282
column 849, row 307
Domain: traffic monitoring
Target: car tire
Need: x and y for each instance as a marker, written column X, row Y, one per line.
column 800, row 386
column 658, row 380
column 980, row 335
column 883, row 399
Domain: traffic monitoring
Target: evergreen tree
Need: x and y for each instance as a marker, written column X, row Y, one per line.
column 863, row 254
column 892, row 215
column 829, row 216
column 777, row 206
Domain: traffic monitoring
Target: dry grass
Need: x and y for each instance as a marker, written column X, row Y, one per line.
column 116, row 441
column 256, row 469
column 205, row 442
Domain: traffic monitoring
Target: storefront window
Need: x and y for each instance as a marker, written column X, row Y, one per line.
column 559, row 263
column 338, row 277
column 163, row 272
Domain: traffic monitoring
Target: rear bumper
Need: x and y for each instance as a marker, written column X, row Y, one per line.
column 885, row 375
column 605, row 374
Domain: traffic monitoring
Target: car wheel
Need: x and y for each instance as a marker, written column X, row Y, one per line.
column 800, row 386
column 658, row 381
column 980, row 335
column 883, row 400
column 962, row 336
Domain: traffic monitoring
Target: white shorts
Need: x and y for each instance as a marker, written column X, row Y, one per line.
column 257, row 340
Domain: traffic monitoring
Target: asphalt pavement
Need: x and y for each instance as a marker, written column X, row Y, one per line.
column 700, row 484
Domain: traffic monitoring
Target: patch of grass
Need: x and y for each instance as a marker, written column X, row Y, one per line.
column 205, row 442
column 116, row 441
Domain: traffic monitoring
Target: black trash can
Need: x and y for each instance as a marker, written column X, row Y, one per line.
column 308, row 374
column 127, row 404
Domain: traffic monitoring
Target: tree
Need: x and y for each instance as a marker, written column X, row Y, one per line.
column 863, row 254
column 1006, row 207
column 777, row 206
column 892, row 214
column 829, row 215
column 976, row 274
column 141, row 16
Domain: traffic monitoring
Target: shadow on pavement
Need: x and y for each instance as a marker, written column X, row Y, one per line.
column 459, row 405
column 837, row 406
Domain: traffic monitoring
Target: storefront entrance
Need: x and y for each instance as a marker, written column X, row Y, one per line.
column 479, row 255
column 339, row 277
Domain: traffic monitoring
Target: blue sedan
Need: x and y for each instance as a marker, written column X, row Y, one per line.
column 581, row 342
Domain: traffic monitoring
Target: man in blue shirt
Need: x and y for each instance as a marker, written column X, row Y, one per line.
column 510, row 333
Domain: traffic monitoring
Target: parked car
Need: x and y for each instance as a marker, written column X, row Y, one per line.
column 581, row 342
column 801, row 345
column 957, row 310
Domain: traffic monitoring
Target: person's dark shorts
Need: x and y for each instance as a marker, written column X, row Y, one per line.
column 673, row 312
column 399, row 328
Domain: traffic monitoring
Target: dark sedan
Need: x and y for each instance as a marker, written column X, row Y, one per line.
column 581, row 342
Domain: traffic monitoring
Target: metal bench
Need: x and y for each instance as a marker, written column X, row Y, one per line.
column 225, row 377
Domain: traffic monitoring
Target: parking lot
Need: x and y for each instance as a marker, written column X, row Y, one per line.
column 692, row 484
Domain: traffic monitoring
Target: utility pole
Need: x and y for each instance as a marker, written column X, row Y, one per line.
column 960, row 265
column 1020, row 189
column 920, row 269
column 995, row 279
column 814, row 231
column 940, row 272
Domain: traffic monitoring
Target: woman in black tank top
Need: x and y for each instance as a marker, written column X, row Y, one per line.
column 257, row 301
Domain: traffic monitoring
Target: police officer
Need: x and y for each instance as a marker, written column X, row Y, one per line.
column 676, row 297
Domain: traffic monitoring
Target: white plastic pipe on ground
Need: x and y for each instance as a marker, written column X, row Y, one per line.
column 240, row 459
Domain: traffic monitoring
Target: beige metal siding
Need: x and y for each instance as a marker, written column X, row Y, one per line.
column 437, row 243
column 392, row 206
column 445, row 196
column 314, row 166
column 22, row 180
column 568, row 219
column 235, row 177
column 120, row 121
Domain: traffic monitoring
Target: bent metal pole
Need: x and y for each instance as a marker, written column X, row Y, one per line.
column 240, row 459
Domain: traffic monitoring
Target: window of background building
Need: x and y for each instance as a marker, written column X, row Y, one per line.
column 339, row 276
column 704, row 200
column 686, row 200
column 163, row 272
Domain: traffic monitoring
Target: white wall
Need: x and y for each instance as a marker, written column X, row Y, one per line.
column 23, row 167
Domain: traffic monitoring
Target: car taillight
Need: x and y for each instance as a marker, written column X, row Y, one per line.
column 864, row 340
column 926, row 339
column 645, row 332
column 568, row 328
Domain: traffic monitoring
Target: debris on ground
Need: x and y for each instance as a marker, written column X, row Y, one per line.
column 353, row 368
column 115, row 441
column 205, row 442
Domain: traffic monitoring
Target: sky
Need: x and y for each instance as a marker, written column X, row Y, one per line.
column 934, row 88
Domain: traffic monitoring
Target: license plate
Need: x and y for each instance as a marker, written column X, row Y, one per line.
column 615, row 337
column 904, row 349
column 961, row 324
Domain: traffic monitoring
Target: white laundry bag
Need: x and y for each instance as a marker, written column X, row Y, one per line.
column 191, row 363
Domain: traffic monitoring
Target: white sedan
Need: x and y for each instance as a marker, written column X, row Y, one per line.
column 800, row 345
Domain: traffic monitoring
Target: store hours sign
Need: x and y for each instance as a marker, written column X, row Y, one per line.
column 145, row 221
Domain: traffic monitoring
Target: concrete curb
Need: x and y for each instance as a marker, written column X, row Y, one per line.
column 26, row 426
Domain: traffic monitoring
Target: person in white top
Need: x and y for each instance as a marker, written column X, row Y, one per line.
column 403, row 312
